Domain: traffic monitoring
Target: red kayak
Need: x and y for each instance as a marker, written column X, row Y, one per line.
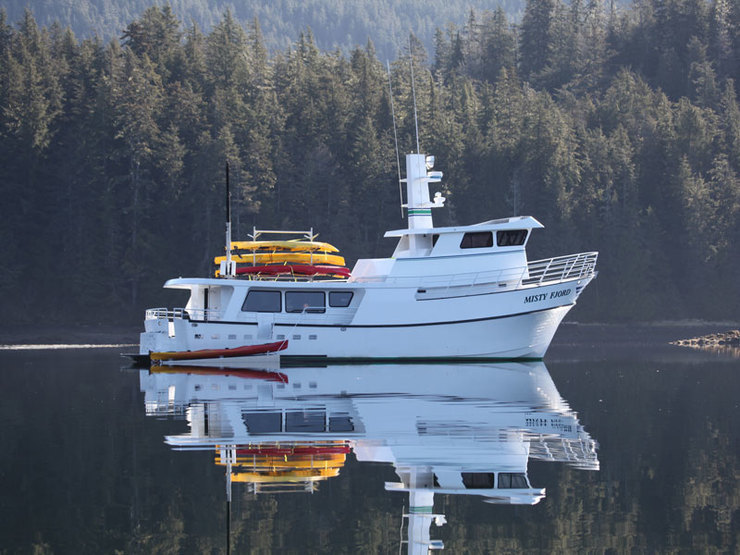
column 221, row 353
column 296, row 269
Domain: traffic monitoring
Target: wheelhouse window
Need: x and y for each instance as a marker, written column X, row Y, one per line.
column 262, row 301
column 511, row 237
column 477, row 240
column 478, row 480
column 341, row 424
column 305, row 301
column 263, row 422
column 305, row 421
column 340, row 299
column 512, row 480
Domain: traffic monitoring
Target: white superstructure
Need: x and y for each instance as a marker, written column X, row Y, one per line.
column 462, row 291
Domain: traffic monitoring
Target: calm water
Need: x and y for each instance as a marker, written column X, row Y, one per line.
column 635, row 451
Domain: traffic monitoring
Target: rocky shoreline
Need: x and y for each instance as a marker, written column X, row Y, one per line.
column 728, row 339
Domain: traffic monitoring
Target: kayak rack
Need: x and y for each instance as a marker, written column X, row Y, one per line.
column 309, row 235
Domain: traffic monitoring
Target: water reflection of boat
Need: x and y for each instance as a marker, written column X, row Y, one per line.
column 447, row 429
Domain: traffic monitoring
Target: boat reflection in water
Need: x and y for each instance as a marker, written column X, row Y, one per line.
column 447, row 429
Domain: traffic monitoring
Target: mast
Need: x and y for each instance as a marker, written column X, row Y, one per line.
column 419, row 205
column 418, row 177
column 228, row 267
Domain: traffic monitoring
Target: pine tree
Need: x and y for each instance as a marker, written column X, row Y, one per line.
column 157, row 34
column 499, row 46
column 536, row 37
column 137, row 102
column 226, row 53
column 730, row 124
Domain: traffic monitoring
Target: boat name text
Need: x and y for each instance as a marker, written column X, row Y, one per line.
column 544, row 296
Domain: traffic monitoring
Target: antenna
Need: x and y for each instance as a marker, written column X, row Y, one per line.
column 228, row 196
column 395, row 137
column 413, row 92
column 228, row 504
column 227, row 273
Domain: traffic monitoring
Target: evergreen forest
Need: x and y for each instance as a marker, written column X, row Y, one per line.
column 617, row 128
column 335, row 23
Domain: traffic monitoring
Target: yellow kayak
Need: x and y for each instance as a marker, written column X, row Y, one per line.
column 278, row 257
column 298, row 246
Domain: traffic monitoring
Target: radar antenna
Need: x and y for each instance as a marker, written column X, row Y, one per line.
column 413, row 93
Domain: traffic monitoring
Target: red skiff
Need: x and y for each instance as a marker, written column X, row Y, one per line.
column 221, row 353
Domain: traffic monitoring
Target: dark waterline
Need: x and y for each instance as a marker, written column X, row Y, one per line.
column 86, row 470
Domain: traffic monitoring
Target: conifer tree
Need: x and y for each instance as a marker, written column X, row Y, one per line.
column 536, row 37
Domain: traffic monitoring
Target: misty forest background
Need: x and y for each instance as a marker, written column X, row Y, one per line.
column 618, row 128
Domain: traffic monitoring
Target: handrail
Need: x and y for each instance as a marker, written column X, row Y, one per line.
column 561, row 268
column 182, row 313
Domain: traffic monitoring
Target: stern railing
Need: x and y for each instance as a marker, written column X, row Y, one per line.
column 182, row 314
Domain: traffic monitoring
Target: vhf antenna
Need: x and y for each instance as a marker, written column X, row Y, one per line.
column 413, row 92
column 395, row 136
column 227, row 273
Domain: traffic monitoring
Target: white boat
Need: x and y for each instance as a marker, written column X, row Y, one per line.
column 446, row 292
column 447, row 429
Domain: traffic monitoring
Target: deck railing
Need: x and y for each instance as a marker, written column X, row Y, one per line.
column 560, row 268
column 182, row 313
column 574, row 266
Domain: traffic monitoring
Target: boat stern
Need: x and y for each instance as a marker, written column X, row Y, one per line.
column 163, row 331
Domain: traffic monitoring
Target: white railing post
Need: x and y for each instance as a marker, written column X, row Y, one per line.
column 547, row 268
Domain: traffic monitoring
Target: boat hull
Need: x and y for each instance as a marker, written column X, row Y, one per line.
column 391, row 324
column 510, row 337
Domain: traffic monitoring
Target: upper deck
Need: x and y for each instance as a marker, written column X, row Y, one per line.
column 516, row 222
column 504, row 236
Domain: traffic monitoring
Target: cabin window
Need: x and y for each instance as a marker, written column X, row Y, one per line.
column 305, row 301
column 511, row 237
column 263, row 422
column 341, row 424
column 478, row 480
column 262, row 301
column 509, row 480
column 305, row 421
column 340, row 299
column 477, row 240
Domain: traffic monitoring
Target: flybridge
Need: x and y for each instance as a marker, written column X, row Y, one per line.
column 421, row 238
column 517, row 222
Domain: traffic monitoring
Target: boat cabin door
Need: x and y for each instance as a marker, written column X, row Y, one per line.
column 265, row 323
column 205, row 304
